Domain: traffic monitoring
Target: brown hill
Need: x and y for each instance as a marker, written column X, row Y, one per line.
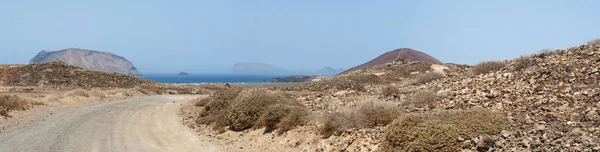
column 88, row 59
column 60, row 74
column 388, row 57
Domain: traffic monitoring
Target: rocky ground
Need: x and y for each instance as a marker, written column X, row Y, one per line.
column 551, row 101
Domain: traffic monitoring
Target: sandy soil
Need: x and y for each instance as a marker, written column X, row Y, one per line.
column 139, row 124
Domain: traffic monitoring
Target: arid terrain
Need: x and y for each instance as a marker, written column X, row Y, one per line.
column 548, row 101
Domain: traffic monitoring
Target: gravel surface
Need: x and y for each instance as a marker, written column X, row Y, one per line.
column 141, row 124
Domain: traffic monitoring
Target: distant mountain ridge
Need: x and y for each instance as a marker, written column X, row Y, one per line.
column 390, row 56
column 328, row 71
column 88, row 59
column 256, row 68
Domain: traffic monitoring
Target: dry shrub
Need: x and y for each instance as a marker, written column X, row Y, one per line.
column 423, row 98
column 4, row 112
column 379, row 113
column 252, row 109
column 594, row 42
column 543, row 53
column 390, row 91
column 487, row 67
column 282, row 117
column 216, row 107
column 439, row 131
column 11, row 103
column 522, row 62
column 248, row 109
column 428, row 77
column 367, row 115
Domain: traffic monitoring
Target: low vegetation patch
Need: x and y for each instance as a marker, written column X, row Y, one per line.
column 543, row 53
column 428, row 77
column 13, row 103
column 367, row 115
column 522, row 62
column 390, row 91
column 238, row 111
column 487, row 67
column 594, row 42
column 439, row 131
column 355, row 82
column 422, row 98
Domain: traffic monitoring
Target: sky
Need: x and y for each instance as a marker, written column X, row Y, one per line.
column 199, row 36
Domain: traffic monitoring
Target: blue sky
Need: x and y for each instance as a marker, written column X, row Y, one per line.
column 210, row 36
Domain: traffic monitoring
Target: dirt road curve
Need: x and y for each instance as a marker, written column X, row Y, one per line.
column 145, row 124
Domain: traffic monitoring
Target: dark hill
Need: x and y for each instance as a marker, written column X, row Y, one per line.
column 388, row 57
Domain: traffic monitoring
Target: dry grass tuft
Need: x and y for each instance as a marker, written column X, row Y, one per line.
column 4, row 112
column 440, row 131
column 427, row 77
column 543, row 53
column 487, row 67
column 367, row 115
column 12, row 103
column 423, row 98
column 390, row 91
column 594, row 42
column 522, row 62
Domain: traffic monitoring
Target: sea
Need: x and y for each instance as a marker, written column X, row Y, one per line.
column 209, row 78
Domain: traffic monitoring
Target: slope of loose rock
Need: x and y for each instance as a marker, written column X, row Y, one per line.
column 553, row 105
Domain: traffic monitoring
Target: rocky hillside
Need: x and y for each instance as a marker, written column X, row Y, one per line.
column 60, row 74
column 388, row 57
column 88, row 59
column 552, row 100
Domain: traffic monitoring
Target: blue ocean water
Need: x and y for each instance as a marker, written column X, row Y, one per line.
column 209, row 78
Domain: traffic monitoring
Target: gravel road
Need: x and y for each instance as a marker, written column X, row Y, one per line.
column 144, row 124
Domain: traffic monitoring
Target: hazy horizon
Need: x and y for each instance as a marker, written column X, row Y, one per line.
column 211, row 36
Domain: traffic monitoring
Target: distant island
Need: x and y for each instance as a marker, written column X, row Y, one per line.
column 295, row 78
column 183, row 74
